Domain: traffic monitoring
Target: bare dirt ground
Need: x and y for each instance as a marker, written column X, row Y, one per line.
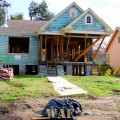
column 103, row 108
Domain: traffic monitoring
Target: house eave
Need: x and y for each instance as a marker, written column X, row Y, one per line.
column 87, row 32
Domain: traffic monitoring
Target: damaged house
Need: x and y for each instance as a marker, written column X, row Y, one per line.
column 60, row 46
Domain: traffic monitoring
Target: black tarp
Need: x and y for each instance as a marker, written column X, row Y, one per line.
column 64, row 109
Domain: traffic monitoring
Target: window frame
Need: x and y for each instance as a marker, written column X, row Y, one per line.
column 19, row 38
column 91, row 19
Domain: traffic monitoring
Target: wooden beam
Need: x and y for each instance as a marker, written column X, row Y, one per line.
column 68, row 46
column 87, row 49
column 82, row 36
column 98, row 48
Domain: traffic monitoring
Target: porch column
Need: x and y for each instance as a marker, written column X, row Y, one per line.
column 68, row 69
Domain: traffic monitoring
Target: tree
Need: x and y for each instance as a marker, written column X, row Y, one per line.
column 32, row 9
column 39, row 11
column 1, row 15
column 16, row 16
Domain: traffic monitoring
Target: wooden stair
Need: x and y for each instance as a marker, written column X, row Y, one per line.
column 51, row 68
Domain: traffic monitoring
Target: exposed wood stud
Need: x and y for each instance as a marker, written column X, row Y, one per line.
column 87, row 49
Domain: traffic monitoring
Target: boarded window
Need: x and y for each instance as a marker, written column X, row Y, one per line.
column 73, row 13
column 18, row 45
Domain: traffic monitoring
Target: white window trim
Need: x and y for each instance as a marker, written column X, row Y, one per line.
column 91, row 17
column 71, row 11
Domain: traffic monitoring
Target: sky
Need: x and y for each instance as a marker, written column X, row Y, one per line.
column 107, row 10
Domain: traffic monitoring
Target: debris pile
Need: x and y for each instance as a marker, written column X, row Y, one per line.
column 6, row 73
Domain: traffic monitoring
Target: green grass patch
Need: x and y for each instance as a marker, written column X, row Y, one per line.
column 27, row 85
column 96, row 85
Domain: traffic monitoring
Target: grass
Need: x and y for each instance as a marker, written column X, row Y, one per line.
column 96, row 85
column 26, row 85
column 37, row 86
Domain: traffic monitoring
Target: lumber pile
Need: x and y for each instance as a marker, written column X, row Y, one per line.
column 6, row 73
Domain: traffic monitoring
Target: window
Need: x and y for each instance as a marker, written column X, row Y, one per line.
column 88, row 19
column 18, row 44
column 73, row 13
column 119, row 39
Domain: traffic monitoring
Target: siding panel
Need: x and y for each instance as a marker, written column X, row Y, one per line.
column 26, row 59
column 80, row 25
column 62, row 21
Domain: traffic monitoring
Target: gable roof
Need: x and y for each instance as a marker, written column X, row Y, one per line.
column 89, row 10
column 59, row 14
column 112, row 38
column 22, row 27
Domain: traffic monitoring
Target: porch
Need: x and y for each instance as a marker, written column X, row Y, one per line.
column 69, row 54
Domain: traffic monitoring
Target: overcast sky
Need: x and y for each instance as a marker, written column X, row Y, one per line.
column 108, row 10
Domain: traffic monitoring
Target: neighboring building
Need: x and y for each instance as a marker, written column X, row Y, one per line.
column 62, row 45
column 101, row 57
column 113, row 49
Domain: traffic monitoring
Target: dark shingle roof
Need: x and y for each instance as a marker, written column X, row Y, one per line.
column 22, row 27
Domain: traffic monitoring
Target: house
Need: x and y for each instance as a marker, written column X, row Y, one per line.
column 60, row 46
column 113, row 49
column 101, row 57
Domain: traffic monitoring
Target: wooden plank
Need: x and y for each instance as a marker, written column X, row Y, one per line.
column 68, row 46
column 98, row 48
column 87, row 49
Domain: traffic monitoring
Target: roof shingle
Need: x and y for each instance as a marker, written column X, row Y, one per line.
column 22, row 27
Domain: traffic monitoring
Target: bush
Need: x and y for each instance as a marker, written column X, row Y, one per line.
column 105, row 68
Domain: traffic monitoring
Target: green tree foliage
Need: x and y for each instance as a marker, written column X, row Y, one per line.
column 17, row 16
column 39, row 11
column 1, row 15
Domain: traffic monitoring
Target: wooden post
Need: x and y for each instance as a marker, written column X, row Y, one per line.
column 84, row 49
column 87, row 49
column 68, row 47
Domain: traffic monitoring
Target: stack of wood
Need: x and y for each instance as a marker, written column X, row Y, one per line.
column 6, row 74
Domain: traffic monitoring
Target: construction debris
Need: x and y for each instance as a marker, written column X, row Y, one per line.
column 6, row 73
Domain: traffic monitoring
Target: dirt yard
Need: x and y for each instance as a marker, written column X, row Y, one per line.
column 103, row 108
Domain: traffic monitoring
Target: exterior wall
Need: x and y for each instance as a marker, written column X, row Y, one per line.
column 25, row 59
column 80, row 25
column 114, row 52
column 62, row 21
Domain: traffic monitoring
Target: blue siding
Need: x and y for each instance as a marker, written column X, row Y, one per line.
column 62, row 21
column 26, row 59
column 80, row 25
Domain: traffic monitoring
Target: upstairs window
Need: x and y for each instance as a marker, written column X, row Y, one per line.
column 73, row 13
column 18, row 44
column 88, row 19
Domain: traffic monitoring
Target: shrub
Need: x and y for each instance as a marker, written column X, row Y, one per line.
column 108, row 73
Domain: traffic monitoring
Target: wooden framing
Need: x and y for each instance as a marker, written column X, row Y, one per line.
column 98, row 48
column 86, row 50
